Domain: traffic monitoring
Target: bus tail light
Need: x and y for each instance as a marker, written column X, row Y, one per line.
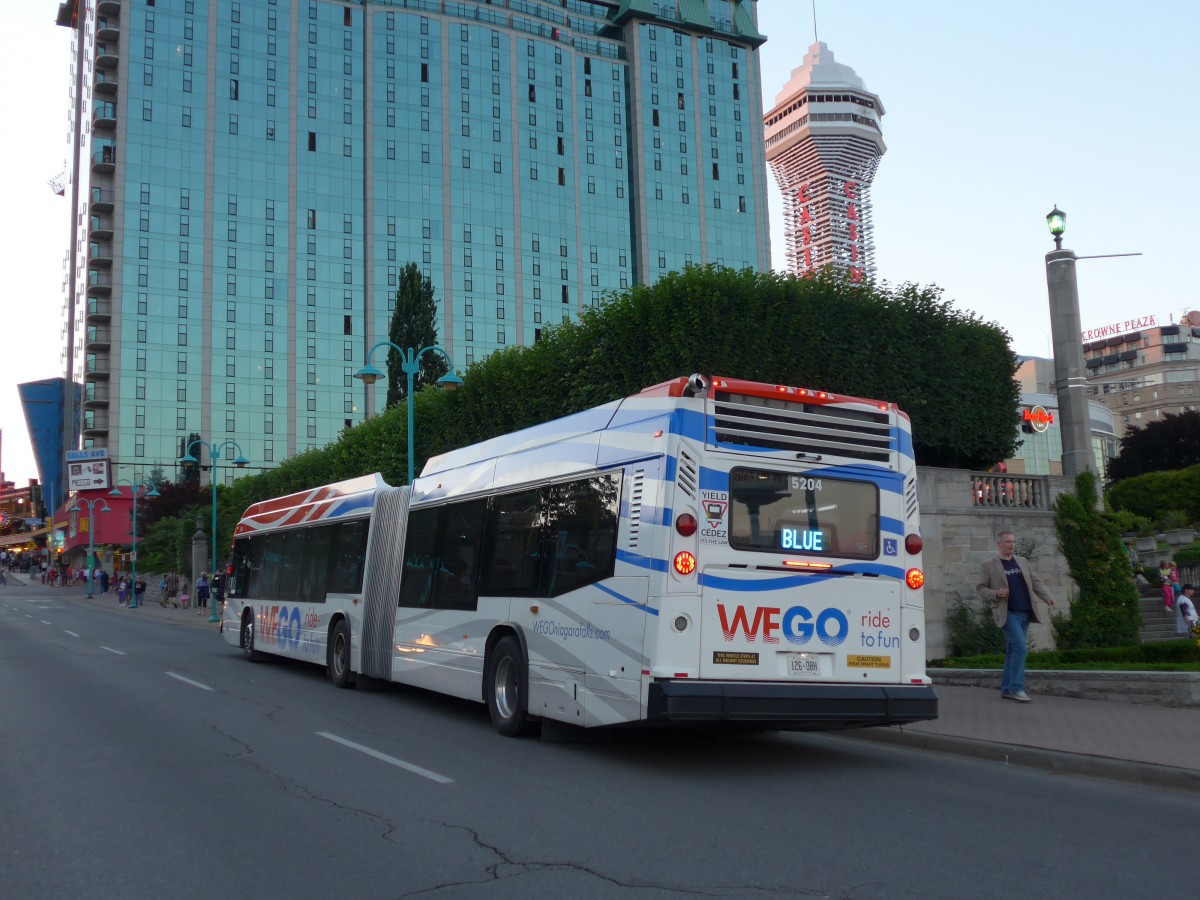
column 686, row 524
column 685, row 562
column 914, row 578
column 913, row 544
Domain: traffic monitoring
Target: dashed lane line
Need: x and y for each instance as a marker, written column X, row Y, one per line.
column 203, row 687
column 111, row 650
column 399, row 763
column 71, row 633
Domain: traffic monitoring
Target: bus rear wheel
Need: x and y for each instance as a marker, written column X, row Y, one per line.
column 506, row 685
column 339, row 656
column 247, row 638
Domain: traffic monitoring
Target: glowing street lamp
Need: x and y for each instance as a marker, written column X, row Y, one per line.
column 214, row 454
column 91, row 505
column 133, row 489
column 410, row 362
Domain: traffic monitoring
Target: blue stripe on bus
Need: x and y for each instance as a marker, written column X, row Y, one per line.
column 642, row 562
column 785, row 582
column 635, row 604
column 891, row 526
column 905, row 444
column 351, row 504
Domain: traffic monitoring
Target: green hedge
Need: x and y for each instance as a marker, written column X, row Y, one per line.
column 1153, row 494
column 1166, row 652
column 949, row 371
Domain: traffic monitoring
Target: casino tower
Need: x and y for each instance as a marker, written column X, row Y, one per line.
column 823, row 146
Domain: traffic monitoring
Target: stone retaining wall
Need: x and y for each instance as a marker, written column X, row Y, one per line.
column 1175, row 689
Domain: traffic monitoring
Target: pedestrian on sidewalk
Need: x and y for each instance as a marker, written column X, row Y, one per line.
column 139, row 591
column 202, row 592
column 1185, row 618
column 170, row 588
column 1010, row 585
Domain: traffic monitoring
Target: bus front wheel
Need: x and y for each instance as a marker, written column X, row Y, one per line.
column 506, row 685
column 247, row 640
column 339, row 656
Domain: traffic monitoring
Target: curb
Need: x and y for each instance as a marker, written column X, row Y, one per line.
column 1056, row 761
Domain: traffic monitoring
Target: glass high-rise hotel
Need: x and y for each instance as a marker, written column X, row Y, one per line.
column 250, row 177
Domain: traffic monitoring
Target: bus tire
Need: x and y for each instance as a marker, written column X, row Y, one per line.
column 506, row 687
column 247, row 638
column 339, row 656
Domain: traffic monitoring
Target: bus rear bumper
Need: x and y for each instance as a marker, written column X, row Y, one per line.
column 789, row 706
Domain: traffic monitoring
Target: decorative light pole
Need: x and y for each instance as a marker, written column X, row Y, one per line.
column 133, row 489
column 91, row 505
column 1070, row 376
column 214, row 454
column 410, row 362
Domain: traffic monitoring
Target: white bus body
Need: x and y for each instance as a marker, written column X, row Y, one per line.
column 703, row 552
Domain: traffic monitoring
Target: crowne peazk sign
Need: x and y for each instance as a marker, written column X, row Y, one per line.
column 1118, row 328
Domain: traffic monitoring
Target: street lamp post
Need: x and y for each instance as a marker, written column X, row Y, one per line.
column 214, row 454
column 91, row 505
column 133, row 489
column 410, row 362
column 1070, row 376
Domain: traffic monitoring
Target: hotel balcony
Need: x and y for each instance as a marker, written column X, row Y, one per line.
column 100, row 254
column 106, row 82
column 97, row 365
column 108, row 28
column 99, row 284
column 98, row 338
column 106, row 55
column 95, row 395
column 104, row 115
column 102, row 199
column 100, row 228
column 95, row 422
column 109, row 7
column 104, row 158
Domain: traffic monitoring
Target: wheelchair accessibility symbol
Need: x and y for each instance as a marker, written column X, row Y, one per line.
column 890, row 547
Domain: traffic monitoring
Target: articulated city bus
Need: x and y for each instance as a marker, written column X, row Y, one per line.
column 707, row 551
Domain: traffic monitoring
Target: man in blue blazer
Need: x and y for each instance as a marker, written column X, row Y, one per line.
column 1009, row 584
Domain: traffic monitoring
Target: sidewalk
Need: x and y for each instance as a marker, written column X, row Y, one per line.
column 1139, row 743
column 147, row 609
column 1133, row 742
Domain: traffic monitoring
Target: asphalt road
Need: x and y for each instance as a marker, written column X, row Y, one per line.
column 141, row 759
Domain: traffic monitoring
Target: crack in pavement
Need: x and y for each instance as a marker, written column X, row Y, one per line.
column 507, row 867
column 300, row 791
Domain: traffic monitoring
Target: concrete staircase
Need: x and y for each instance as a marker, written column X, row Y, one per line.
column 1158, row 624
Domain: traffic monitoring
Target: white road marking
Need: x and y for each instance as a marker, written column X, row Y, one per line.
column 203, row 687
column 111, row 650
column 71, row 633
column 44, row 622
column 399, row 763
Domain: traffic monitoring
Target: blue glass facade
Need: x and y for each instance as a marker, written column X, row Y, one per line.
column 258, row 173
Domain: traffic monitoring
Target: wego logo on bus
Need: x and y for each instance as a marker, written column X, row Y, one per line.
column 795, row 624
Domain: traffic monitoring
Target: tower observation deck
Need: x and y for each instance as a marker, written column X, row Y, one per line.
column 823, row 146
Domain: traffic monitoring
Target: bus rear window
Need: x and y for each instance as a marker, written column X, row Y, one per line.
column 779, row 512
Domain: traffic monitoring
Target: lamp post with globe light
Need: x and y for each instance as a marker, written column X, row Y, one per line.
column 214, row 455
column 410, row 362
column 133, row 489
column 91, row 505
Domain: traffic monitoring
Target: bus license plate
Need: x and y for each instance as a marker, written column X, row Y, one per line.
column 803, row 665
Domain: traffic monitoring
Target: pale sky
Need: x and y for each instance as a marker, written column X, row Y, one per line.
column 995, row 112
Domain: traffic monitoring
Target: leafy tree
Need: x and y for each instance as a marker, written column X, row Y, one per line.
column 413, row 327
column 1105, row 614
column 175, row 498
column 1165, row 444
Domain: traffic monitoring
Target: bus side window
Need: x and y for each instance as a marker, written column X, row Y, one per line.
column 583, row 523
column 512, row 550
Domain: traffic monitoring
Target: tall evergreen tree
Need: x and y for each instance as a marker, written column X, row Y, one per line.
column 413, row 327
